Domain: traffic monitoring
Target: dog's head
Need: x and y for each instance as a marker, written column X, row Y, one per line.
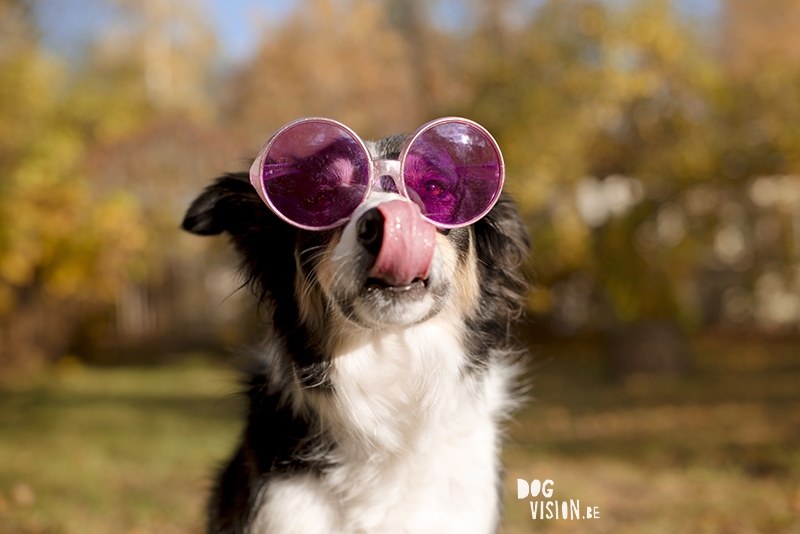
column 387, row 267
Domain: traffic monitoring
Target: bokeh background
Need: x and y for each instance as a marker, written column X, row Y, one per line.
column 653, row 148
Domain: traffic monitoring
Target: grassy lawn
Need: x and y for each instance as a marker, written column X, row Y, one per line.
column 117, row 450
column 715, row 452
column 131, row 450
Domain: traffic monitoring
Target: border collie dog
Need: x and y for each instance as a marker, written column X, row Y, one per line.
column 377, row 398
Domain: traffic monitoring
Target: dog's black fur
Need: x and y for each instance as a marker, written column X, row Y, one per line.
column 277, row 441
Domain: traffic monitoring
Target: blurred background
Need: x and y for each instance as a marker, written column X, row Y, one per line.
column 653, row 148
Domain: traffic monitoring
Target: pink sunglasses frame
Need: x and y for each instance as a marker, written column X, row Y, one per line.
column 395, row 168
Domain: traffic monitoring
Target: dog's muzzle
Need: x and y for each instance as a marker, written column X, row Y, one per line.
column 401, row 242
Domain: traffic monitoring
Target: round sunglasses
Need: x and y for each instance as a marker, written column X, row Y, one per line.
column 314, row 172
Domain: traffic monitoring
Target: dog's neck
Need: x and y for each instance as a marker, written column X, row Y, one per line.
column 391, row 386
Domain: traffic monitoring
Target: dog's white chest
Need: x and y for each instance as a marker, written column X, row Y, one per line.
column 418, row 447
column 452, row 489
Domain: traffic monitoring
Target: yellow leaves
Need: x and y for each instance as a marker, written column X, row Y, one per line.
column 68, row 277
column 121, row 233
column 57, row 234
column 77, row 245
column 7, row 300
column 539, row 300
column 572, row 235
column 27, row 87
column 91, row 259
column 571, row 88
column 592, row 21
column 28, row 81
column 53, row 152
column 111, row 108
column 116, row 216
column 342, row 60
column 17, row 264
column 655, row 26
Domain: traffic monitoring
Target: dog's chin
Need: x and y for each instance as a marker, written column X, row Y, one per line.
column 379, row 304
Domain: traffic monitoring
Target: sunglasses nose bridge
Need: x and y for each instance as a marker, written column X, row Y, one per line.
column 386, row 175
column 386, row 167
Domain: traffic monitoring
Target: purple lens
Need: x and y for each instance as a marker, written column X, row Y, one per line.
column 454, row 172
column 315, row 174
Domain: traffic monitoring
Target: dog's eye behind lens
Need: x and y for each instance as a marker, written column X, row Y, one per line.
column 319, row 189
column 320, row 199
column 434, row 187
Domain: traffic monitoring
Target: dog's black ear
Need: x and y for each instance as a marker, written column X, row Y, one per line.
column 503, row 245
column 264, row 242
column 502, row 236
column 230, row 204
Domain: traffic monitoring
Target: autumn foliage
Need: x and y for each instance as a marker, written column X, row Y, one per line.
column 655, row 159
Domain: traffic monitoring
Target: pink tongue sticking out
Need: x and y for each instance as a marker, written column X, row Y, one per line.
column 408, row 244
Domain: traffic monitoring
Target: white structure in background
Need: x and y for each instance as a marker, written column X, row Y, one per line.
column 599, row 200
column 777, row 300
column 776, row 297
column 782, row 191
column 671, row 224
column 744, row 231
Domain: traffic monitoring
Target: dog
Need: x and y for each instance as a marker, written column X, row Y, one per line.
column 376, row 402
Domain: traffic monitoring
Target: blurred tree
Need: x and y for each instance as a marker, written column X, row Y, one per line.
column 72, row 242
column 601, row 97
column 660, row 181
column 164, row 165
column 610, row 120
column 163, row 146
column 63, row 248
column 375, row 66
column 755, row 33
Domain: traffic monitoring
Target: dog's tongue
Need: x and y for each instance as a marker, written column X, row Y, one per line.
column 408, row 244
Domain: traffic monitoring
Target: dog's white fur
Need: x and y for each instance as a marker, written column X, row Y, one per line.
column 419, row 450
column 418, row 445
column 407, row 421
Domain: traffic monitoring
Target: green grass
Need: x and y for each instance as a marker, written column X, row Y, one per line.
column 715, row 452
column 122, row 450
column 132, row 450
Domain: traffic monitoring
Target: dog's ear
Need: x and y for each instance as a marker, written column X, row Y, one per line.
column 230, row 204
column 264, row 242
column 503, row 245
column 501, row 235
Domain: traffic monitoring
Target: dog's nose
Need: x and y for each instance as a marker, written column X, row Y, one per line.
column 370, row 230
column 399, row 239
